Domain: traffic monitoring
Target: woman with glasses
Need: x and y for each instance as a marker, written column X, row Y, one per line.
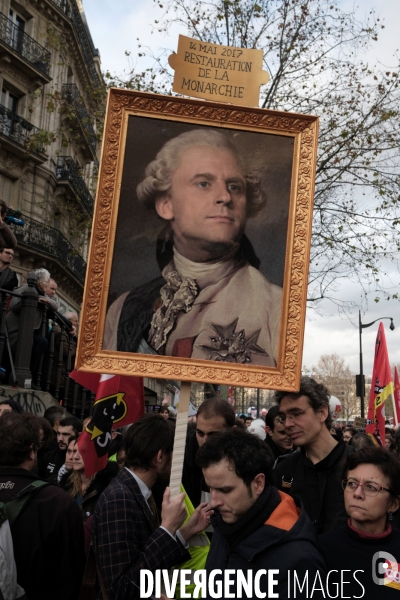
column 371, row 487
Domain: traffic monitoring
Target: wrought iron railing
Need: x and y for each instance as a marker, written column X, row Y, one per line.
column 66, row 170
column 64, row 6
column 49, row 240
column 24, row 45
column 71, row 10
column 52, row 372
column 71, row 95
column 19, row 130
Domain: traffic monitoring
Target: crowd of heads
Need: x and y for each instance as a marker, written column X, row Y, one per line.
column 230, row 456
column 214, row 416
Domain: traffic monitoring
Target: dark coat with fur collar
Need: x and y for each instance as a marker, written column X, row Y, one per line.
column 101, row 481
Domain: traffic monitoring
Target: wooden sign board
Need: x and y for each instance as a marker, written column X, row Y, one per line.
column 219, row 73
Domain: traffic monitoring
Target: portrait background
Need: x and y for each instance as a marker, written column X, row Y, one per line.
column 134, row 256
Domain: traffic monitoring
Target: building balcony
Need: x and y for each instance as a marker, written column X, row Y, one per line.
column 71, row 10
column 21, row 137
column 50, row 241
column 18, row 47
column 79, row 120
column 67, row 173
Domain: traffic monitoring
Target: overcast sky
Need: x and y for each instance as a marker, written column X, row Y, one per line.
column 115, row 27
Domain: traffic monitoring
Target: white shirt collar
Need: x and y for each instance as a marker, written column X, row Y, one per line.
column 146, row 493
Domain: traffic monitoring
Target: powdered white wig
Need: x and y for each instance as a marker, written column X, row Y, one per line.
column 159, row 172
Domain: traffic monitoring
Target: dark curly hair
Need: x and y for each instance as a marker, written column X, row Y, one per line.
column 317, row 393
column 145, row 438
column 19, row 434
column 245, row 452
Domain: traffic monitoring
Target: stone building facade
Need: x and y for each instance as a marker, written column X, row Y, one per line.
column 51, row 108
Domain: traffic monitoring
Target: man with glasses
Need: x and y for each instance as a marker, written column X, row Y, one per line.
column 313, row 474
column 8, row 277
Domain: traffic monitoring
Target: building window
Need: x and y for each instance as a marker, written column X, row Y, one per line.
column 9, row 100
column 16, row 19
column 17, row 27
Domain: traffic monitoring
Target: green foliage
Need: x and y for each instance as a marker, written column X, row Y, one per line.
column 314, row 51
column 38, row 141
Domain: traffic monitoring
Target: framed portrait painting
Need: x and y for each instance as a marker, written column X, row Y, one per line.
column 200, row 246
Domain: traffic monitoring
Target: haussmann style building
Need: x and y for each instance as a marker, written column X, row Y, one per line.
column 51, row 110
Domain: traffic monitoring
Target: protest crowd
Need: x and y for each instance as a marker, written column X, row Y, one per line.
column 293, row 498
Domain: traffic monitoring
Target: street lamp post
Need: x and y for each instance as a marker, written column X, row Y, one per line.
column 361, row 386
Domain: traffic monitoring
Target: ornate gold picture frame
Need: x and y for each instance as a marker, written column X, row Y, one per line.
column 145, row 308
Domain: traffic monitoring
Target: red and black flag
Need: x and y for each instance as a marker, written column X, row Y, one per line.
column 381, row 389
column 119, row 401
column 396, row 397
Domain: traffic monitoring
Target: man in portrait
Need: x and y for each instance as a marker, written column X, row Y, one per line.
column 211, row 301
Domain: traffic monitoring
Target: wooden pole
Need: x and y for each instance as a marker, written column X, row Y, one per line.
column 180, row 439
column 395, row 419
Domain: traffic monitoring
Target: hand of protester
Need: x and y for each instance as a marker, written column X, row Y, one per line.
column 42, row 299
column 199, row 521
column 173, row 513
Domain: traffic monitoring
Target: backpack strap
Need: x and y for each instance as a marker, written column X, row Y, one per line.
column 3, row 517
column 18, row 501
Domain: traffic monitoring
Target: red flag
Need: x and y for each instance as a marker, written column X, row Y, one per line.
column 90, row 381
column 119, row 401
column 381, row 389
column 396, row 397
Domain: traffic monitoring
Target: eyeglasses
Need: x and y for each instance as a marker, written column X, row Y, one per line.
column 369, row 489
column 293, row 416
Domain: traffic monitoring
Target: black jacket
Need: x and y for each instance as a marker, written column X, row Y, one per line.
column 47, row 537
column 275, row 449
column 192, row 475
column 50, row 463
column 286, row 542
column 345, row 549
column 101, row 481
column 8, row 279
column 318, row 486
